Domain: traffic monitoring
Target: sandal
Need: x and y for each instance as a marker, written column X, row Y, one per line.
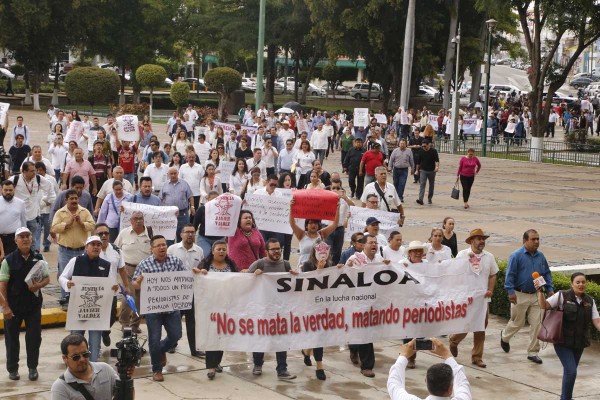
column 211, row 375
column 307, row 360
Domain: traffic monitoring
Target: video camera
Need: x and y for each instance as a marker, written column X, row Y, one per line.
column 129, row 354
column 4, row 161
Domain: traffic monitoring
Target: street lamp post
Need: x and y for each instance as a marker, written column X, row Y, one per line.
column 491, row 25
column 260, row 55
column 455, row 98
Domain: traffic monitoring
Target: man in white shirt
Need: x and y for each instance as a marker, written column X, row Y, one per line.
column 191, row 113
column 190, row 255
column 12, row 216
column 107, row 187
column 192, row 173
column 483, row 264
column 269, row 155
column 386, row 193
column 157, row 171
column 552, row 119
column 202, row 147
column 286, row 157
column 318, row 142
column 285, row 134
column 22, row 129
column 445, row 380
column 172, row 120
column 258, row 162
column 58, row 151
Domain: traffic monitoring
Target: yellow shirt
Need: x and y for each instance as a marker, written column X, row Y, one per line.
column 75, row 235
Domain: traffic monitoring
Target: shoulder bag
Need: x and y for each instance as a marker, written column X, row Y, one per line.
column 551, row 326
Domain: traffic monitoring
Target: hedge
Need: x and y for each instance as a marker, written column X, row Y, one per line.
column 501, row 306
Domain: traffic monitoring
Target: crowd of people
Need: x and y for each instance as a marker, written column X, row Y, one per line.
column 74, row 200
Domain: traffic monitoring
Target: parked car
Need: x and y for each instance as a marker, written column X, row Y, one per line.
column 504, row 89
column 340, row 89
column 360, row 91
column 426, row 92
column 465, row 89
column 580, row 82
column 108, row 66
column 248, row 85
column 312, row 90
column 504, row 61
column 593, row 89
column 198, row 82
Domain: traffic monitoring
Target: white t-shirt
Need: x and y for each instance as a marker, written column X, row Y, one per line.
column 435, row 256
column 391, row 196
column 394, row 255
column 157, row 174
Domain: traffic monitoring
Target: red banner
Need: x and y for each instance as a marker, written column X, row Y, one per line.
column 315, row 204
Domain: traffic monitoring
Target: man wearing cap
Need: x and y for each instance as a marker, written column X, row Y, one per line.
column 22, row 302
column 428, row 164
column 370, row 160
column 88, row 264
column 483, row 264
column 352, row 164
column 386, row 192
column 12, row 216
column 522, row 295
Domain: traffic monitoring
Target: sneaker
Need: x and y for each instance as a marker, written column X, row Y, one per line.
column 419, row 201
column 285, row 375
column 106, row 339
column 257, row 370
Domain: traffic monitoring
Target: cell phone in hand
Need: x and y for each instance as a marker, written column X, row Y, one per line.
column 424, row 344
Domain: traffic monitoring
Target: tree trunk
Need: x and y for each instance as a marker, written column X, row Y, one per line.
column 35, row 86
column 122, row 96
column 296, row 77
column 476, row 68
column 450, row 48
column 311, row 69
column 55, row 91
column 271, row 72
column 27, row 100
column 150, row 111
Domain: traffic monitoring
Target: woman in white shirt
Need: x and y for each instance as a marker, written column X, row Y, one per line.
column 214, row 159
column 394, row 251
column 303, row 162
column 239, row 177
column 209, row 183
column 315, row 182
column 254, row 183
column 180, row 141
column 436, row 251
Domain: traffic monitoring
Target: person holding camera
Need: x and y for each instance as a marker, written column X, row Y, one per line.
column 579, row 314
column 445, row 380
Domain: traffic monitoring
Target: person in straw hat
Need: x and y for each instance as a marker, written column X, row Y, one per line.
column 483, row 264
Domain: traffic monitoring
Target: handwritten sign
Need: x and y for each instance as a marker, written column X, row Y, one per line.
column 315, row 204
column 271, row 213
column 433, row 121
column 162, row 219
column 381, row 118
column 127, row 127
column 226, row 168
column 166, row 292
column 222, row 214
column 358, row 216
column 470, row 126
column 75, row 130
column 361, row 117
column 3, row 111
column 90, row 303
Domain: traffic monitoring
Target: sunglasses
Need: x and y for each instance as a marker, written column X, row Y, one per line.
column 103, row 233
column 77, row 357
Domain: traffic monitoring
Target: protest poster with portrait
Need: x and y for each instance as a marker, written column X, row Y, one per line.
column 222, row 214
column 161, row 219
column 90, row 303
column 127, row 127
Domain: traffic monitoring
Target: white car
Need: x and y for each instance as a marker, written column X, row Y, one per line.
column 312, row 90
column 465, row 89
column 427, row 92
column 108, row 66
column 248, row 85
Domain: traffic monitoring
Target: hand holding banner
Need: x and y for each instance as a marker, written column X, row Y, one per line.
column 127, row 127
column 315, row 204
column 361, row 117
column 166, row 292
column 221, row 215
column 161, row 219
column 90, row 303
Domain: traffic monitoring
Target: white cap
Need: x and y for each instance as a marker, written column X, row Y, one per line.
column 22, row 229
column 93, row 239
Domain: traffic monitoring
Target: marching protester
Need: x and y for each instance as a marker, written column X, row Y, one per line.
column 449, row 238
column 388, row 198
column 12, row 217
column 247, row 244
column 205, row 241
column 356, row 246
column 436, row 251
column 394, row 251
column 428, row 164
column 177, row 192
column 400, row 161
column 110, row 212
column 468, row 167
column 483, row 264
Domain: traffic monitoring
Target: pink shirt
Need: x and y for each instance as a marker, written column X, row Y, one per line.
column 468, row 167
column 84, row 170
column 244, row 253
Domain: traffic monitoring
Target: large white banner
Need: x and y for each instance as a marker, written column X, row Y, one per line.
column 3, row 110
column 90, row 302
column 271, row 213
column 222, row 214
column 166, row 292
column 336, row 306
column 227, row 128
column 361, row 117
column 470, row 126
column 127, row 127
column 162, row 219
column 388, row 221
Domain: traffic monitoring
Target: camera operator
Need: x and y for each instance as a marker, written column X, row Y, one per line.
column 83, row 380
column 445, row 380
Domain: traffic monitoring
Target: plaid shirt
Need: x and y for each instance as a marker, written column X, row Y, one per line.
column 150, row 266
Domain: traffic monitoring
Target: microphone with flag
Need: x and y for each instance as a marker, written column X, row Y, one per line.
column 131, row 301
column 539, row 281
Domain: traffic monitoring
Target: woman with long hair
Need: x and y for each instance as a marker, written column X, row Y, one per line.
column 213, row 158
column 449, row 235
column 468, row 167
column 209, row 183
column 247, row 244
column 315, row 182
column 239, row 177
column 216, row 261
column 180, row 141
column 287, row 181
column 177, row 160
column 436, row 251
column 303, row 161
column 253, row 183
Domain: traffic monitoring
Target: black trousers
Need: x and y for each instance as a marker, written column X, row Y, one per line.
column 190, row 327
column 356, row 183
column 467, row 184
column 113, row 316
column 318, row 354
column 8, row 242
column 213, row 359
column 33, row 339
column 366, row 353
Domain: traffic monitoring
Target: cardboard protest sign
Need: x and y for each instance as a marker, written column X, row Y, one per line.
column 74, row 131
column 162, row 219
column 166, row 291
column 222, row 214
column 358, row 216
column 381, row 118
column 302, row 126
column 225, row 168
column 270, row 213
column 90, row 303
column 127, row 127
column 315, row 204
column 3, row 110
column 361, row 117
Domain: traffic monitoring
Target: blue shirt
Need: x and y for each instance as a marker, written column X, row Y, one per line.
column 521, row 265
column 176, row 194
column 346, row 254
column 151, row 200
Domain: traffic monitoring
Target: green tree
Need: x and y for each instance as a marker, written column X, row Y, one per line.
column 332, row 74
column 224, row 81
column 92, row 85
column 150, row 75
column 180, row 93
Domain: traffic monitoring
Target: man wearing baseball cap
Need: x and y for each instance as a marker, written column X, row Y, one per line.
column 21, row 300
column 483, row 264
column 88, row 264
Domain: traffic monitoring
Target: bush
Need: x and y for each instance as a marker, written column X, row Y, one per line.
column 224, row 81
column 180, row 93
column 150, row 75
column 501, row 306
column 132, row 109
column 92, row 85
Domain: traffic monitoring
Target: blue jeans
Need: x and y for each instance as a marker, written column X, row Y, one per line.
column 45, row 229
column 130, row 177
column 206, row 244
column 319, row 155
column 94, row 338
column 281, row 356
column 157, row 347
column 35, row 228
column 64, row 256
column 400, row 176
column 569, row 358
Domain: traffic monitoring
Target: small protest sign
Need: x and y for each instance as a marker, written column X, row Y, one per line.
column 270, row 212
column 315, row 204
column 225, row 168
column 388, row 221
column 166, row 292
column 361, row 117
column 381, row 118
column 90, row 303
column 162, row 219
column 222, row 214
column 127, row 127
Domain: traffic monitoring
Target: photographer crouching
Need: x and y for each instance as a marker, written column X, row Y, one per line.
column 85, row 380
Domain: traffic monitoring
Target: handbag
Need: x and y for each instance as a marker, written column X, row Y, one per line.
column 551, row 327
column 455, row 192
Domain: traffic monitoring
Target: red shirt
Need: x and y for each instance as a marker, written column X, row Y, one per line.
column 127, row 159
column 372, row 161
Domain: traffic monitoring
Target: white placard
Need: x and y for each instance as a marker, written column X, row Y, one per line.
column 74, row 131
column 303, row 126
column 221, row 215
column 3, row 110
column 381, row 118
column 336, row 306
column 162, row 219
column 90, row 303
column 388, row 221
column 226, row 168
column 270, row 213
column 127, row 127
column 166, row 292
column 433, row 121
column 361, row 117
column 470, row 126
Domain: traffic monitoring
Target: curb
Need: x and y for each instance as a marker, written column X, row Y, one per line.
column 51, row 317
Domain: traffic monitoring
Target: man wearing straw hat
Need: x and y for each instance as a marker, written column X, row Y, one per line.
column 483, row 264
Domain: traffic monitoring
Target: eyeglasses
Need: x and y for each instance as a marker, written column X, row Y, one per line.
column 189, row 232
column 103, row 233
column 272, row 184
column 77, row 357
